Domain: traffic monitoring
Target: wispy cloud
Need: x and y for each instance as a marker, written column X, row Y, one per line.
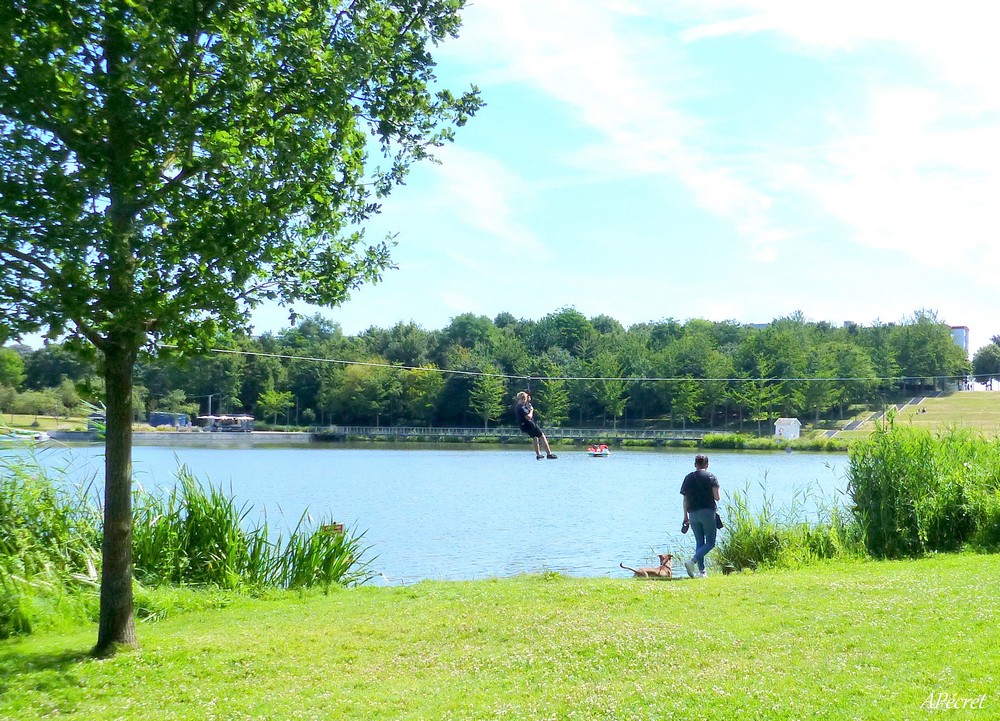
column 626, row 85
column 914, row 167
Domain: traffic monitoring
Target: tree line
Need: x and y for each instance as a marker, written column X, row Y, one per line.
column 589, row 372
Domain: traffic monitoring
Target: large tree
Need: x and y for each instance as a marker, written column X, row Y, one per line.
column 166, row 166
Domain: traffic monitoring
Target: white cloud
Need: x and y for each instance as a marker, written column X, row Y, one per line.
column 917, row 170
column 623, row 83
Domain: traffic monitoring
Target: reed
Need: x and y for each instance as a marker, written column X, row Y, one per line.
column 786, row 537
column 916, row 492
column 49, row 541
column 196, row 534
column 193, row 535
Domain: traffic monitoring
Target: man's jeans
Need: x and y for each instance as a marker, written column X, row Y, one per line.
column 703, row 525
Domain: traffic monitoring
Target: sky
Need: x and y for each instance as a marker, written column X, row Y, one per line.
column 726, row 160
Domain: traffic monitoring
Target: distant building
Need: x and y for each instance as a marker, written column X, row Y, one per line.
column 787, row 429
column 960, row 334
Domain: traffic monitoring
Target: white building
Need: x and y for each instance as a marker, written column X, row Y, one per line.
column 787, row 429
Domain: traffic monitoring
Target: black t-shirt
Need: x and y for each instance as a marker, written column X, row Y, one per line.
column 521, row 411
column 697, row 487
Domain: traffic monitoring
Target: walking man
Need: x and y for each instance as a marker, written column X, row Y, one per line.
column 701, row 492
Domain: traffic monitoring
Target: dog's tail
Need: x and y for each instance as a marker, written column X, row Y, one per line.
column 627, row 568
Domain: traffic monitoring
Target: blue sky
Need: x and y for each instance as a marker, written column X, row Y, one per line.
column 731, row 160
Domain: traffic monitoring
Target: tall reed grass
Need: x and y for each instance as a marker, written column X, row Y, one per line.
column 194, row 535
column 811, row 528
column 915, row 492
column 49, row 541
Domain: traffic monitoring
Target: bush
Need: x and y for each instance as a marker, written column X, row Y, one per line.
column 736, row 441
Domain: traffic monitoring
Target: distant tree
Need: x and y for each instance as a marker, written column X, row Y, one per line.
column 504, row 319
column 820, row 392
column 486, row 399
column 176, row 401
column 855, row 366
column 610, row 389
column 552, row 397
column 47, row 366
column 468, row 330
column 167, row 166
column 368, row 392
column 273, row 403
column 986, row 363
column 606, row 325
column 926, row 352
column 759, row 394
column 421, row 392
column 69, row 398
column 11, row 368
column 8, row 397
column 405, row 344
column 38, row 403
column 688, row 401
column 571, row 329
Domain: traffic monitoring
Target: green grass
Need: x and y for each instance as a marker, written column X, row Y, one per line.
column 42, row 423
column 838, row 640
column 978, row 410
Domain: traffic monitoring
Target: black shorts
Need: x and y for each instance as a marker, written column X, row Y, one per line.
column 532, row 429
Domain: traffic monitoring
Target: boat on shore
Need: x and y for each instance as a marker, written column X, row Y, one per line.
column 20, row 436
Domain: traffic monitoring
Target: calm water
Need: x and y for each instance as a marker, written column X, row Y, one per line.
column 473, row 513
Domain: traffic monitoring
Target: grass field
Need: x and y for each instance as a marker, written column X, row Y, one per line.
column 42, row 423
column 973, row 409
column 859, row 640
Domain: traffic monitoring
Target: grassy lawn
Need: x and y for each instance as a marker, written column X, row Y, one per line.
column 967, row 409
column 861, row 640
column 973, row 409
column 44, row 423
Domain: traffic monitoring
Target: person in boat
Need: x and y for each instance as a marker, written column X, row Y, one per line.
column 525, row 415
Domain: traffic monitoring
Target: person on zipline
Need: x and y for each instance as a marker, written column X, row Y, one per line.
column 525, row 415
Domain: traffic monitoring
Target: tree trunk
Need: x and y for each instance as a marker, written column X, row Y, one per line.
column 117, row 624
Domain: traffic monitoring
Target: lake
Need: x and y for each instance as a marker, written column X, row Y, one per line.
column 479, row 512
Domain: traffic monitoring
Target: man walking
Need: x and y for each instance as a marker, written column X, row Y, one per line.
column 701, row 492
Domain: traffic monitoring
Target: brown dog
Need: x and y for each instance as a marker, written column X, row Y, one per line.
column 661, row 571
